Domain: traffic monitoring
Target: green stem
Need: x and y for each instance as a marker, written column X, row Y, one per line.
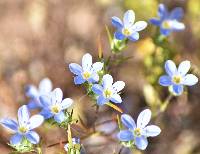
column 164, row 105
column 39, row 150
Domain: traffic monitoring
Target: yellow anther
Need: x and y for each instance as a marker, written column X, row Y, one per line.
column 86, row 75
column 126, row 32
column 177, row 79
column 166, row 24
column 107, row 93
column 55, row 109
column 137, row 132
column 23, row 129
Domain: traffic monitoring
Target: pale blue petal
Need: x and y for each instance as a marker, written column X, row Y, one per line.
column 139, row 25
column 128, row 121
column 190, row 80
column 16, row 138
column 60, row 117
column 97, row 66
column 165, row 80
column 107, row 81
column 79, row 80
column 102, row 100
column 170, row 68
column 119, row 36
column 34, row 104
column 9, row 123
column 141, row 142
column 117, row 22
column 66, row 103
column 35, row 121
column 176, row 13
column 162, row 11
column 97, row 89
column 45, row 101
column 46, row 113
column 31, row 91
column 184, row 67
column 86, row 61
column 143, row 118
column 178, row 89
column 151, row 131
column 45, row 86
column 125, row 135
column 155, row 21
column 94, row 78
column 165, row 32
column 118, row 86
column 134, row 36
column 129, row 18
column 75, row 68
column 23, row 115
column 177, row 26
column 33, row 137
column 116, row 98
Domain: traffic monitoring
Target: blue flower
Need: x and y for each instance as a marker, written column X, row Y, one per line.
column 108, row 91
column 53, row 105
column 45, row 87
column 24, row 127
column 88, row 71
column 127, row 28
column 138, row 133
column 169, row 21
column 177, row 78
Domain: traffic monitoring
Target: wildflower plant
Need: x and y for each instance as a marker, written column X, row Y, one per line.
column 98, row 80
column 54, row 105
column 23, row 129
column 176, row 78
column 168, row 21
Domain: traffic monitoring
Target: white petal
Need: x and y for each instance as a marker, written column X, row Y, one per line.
column 143, row 118
column 190, row 80
column 86, row 61
column 118, row 86
column 151, row 131
column 170, row 68
column 107, row 81
column 35, row 121
column 140, row 25
column 56, row 95
column 184, row 67
column 129, row 18
column 45, row 86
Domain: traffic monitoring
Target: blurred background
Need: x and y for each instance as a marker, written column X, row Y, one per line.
column 39, row 38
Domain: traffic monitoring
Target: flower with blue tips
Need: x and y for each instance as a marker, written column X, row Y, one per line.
column 87, row 72
column 177, row 78
column 54, row 105
column 108, row 91
column 24, row 127
column 45, row 87
column 168, row 21
column 138, row 133
column 127, row 28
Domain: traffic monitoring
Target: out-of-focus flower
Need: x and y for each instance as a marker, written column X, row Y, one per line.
column 24, row 127
column 108, row 91
column 88, row 71
column 177, row 78
column 76, row 147
column 53, row 105
column 169, row 21
column 127, row 28
column 138, row 133
column 45, row 87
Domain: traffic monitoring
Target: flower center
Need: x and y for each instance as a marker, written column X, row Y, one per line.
column 86, row 75
column 55, row 109
column 177, row 79
column 108, row 93
column 137, row 132
column 23, row 129
column 126, row 32
column 166, row 24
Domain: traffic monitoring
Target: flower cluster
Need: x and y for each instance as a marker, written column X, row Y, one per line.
column 51, row 105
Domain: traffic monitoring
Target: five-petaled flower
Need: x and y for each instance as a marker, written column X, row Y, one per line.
column 138, row 133
column 88, row 71
column 53, row 105
column 169, row 21
column 127, row 28
column 177, row 78
column 108, row 91
column 45, row 87
column 24, row 127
